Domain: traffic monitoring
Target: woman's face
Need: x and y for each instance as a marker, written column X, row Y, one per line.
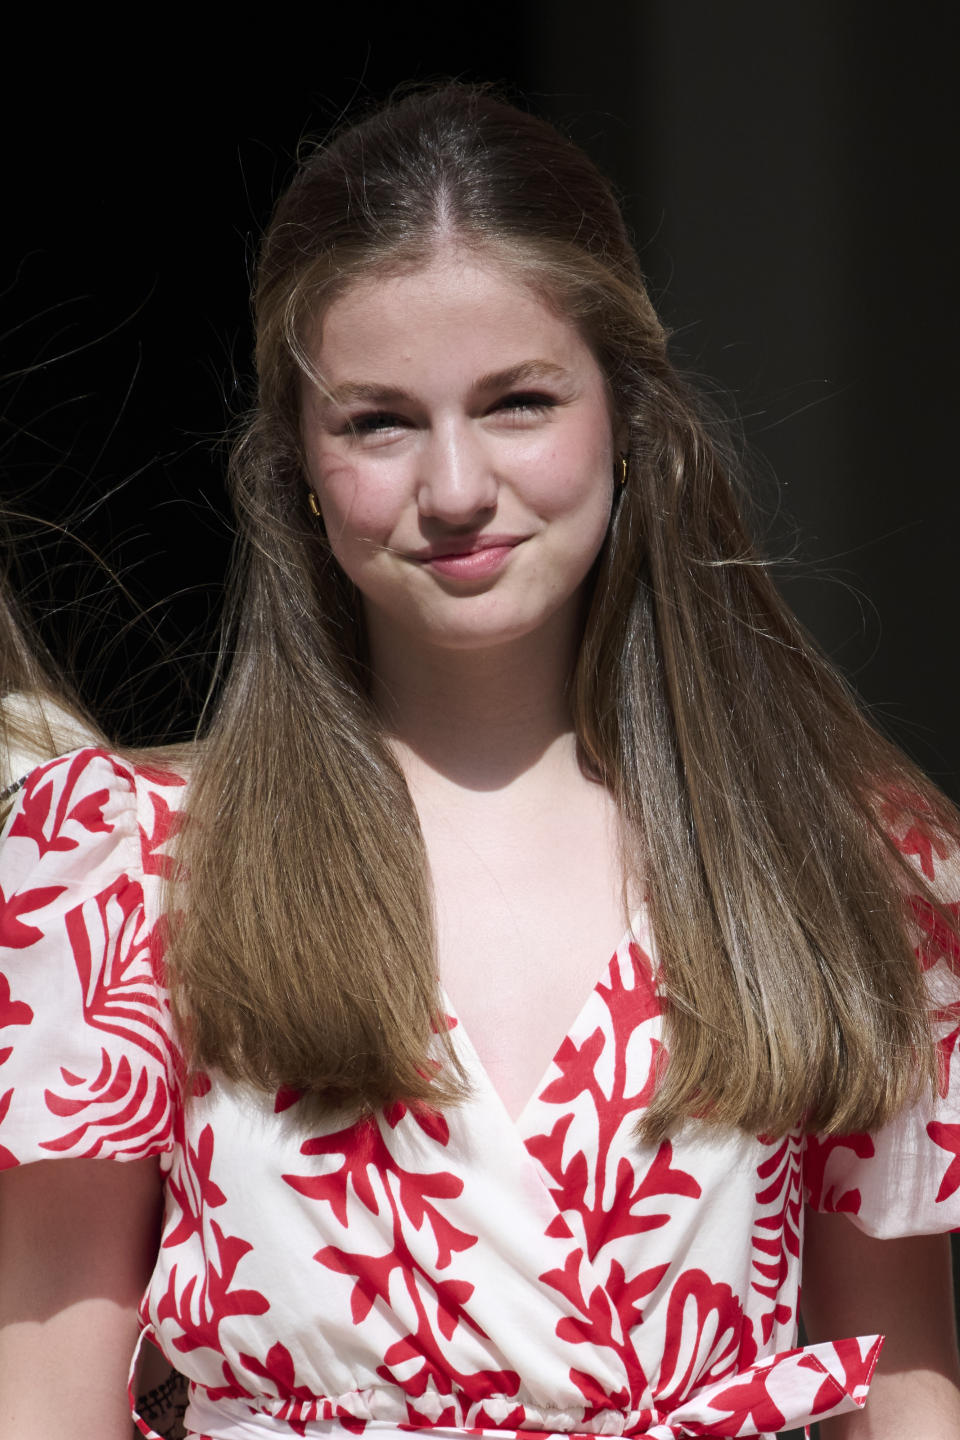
column 462, row 456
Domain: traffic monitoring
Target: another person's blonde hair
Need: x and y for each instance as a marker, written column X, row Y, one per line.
column 39, row 718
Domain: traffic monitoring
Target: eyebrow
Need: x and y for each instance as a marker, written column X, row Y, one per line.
column 528, row 371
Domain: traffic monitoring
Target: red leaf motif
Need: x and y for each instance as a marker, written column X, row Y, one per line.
column 279, row 1371
column 13, row 932
column 776, row 1234
column 603, row 1184
column 190, row 1185
column 127, row 1101
column 12, row 1012
column 364, row 1153
column 357, row 1145
column 88, row 812
column 574, row 1063
column 599, row 1398
column 35, row 812
column 452, row 1296
column 433, row 1123
column 948, row 1138
column 371, row 1276
column 216, row 1301
column 816, row 1158
column 167, row 823
column 144, row 1124
column 707, row 1337
column 567, row 1281
column 922, row 843
column 625, row 1294
column 938, row 941
column 750, row 1401
column 663, row 1178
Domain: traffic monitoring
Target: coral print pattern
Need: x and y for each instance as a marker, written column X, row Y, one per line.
column 452, row 1271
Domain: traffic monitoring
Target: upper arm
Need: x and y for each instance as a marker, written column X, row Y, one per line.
column 854, row 1284
column 78, row 1239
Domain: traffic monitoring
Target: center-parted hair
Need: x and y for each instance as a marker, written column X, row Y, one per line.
column 750, row 788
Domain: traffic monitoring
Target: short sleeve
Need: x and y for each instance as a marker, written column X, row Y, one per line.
column 88, row 1063
column 904, row 1178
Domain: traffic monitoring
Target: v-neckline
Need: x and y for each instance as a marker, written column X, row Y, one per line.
column 635, row 928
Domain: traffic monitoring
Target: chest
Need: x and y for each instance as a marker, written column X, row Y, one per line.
column 528, row 913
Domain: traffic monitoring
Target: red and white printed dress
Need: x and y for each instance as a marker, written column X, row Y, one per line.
column 452, row 1272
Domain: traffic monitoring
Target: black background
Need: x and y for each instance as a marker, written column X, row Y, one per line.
column 788, row 173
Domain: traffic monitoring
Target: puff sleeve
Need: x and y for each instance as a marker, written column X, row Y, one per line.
column 904, row 1178
column 88, row 1063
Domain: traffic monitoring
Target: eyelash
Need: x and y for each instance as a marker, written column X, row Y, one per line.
column 375, row 421
column 371, row 423
column 531, row 400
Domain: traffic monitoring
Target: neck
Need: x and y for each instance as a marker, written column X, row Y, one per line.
column 480, row 718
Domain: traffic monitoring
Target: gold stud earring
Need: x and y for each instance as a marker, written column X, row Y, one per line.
column 312, row 505
column 620, row 471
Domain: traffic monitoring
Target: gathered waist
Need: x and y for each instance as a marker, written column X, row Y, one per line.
column 787, row 1390
column 783, row 1391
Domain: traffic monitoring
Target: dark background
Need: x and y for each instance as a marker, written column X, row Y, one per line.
column 787, row 170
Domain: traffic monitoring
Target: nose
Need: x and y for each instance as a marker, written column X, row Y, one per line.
column 457, row 480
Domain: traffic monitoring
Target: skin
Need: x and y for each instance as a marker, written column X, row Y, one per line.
column 854, row 1284
column 77, row 1243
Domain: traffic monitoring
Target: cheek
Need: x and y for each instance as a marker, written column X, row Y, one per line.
column 356, row 504
column 575, row 476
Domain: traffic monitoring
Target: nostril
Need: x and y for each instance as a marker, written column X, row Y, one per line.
column 456, row 500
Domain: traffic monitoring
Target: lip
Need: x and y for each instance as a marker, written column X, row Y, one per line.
column 469, row 559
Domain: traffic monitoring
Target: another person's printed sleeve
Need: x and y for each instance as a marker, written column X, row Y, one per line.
column 88, row 1066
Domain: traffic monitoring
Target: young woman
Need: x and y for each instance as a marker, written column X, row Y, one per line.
column 508, row 692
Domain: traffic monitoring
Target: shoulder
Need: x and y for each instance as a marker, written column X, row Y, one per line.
column 928, row 841
column 904, row 1178
column 930, row 845
column 92, row 1063
column 89, row 804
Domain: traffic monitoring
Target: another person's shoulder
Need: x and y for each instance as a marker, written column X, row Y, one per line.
column 91, row 803
column 91, row 1063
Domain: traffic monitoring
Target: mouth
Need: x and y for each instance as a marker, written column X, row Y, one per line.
column 473, row 558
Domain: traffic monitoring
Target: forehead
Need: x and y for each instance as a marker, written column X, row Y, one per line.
column 457, row 310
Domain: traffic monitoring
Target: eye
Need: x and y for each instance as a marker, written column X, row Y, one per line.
column 523, row 403
column 373, row 422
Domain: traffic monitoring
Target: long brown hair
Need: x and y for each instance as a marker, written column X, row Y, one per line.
column 748, row 782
